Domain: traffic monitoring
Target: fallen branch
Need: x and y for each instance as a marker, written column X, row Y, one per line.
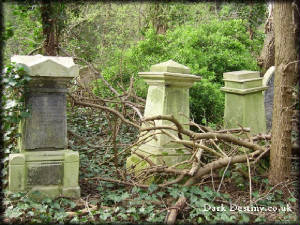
column 172, row 213
column 208, row 135
column 171, row 216
column 107, row 109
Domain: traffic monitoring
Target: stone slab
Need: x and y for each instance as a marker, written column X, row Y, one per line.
column 49, row 66
column 52, row 178
column 167, row 78
column 46, row 127
column 241, row 75
column 243, row 91
column 44, row 173
column 268, row 80
column 170, row 66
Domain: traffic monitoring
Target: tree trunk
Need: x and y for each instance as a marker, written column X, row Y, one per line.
column 286, row 18
column 158, row 17
column 267, row 55
column 50, row 45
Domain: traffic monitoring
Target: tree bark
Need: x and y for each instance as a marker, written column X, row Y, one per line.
column 50, row 45
column 267, row 55
column 286, row 18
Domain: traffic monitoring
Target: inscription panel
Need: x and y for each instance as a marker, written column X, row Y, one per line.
column 45, row 173
column 46, row 127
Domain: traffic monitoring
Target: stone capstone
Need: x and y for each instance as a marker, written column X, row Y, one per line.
column 47, row 66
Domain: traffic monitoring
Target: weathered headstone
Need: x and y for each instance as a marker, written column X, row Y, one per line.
column 44, row 163
column 168, row 94
column 86, row 77
column 268, row 80
column 244, row 102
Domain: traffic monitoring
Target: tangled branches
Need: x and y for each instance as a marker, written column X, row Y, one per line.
column 208, row 149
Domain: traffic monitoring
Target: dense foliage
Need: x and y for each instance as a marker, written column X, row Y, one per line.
column 14, row 80
column 129, row 38
column 208, row 50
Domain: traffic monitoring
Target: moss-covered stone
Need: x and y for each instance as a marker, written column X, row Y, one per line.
column 44, row 167
column 244, row 101
column 45, row 173
column 168, row 94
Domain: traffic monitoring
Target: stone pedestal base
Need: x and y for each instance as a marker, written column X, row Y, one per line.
column 45, row 173
column 159, row 156
column 244, row 102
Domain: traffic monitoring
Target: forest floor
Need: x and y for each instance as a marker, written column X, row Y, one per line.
column 218, row 197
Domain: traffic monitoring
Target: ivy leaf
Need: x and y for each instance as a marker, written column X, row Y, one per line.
column 105, row 215
column 152, row 188
column 10, row 104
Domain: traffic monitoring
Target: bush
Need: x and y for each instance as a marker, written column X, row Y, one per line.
column 208, row 50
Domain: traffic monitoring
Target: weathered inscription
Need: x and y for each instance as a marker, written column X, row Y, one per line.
column 45, row 173
column 46, row 126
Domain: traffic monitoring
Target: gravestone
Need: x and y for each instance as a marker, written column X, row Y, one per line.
column 244, row 102
column 168, row 94
column 44, row 163
column 268, row 80
column 86, row 77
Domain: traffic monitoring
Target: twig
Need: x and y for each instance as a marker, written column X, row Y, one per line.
column 217, row 147
column 212, row 179
column 34, row 50
column 262, row 197
column 145, row 158
column 234, row 130
column 196, row 163
column 108, row 109
column 114, row 139
column 118, row 182
column 290, row 63
column 250, row 183
column 177, row 180
column 172, row 213
column 224, row 175
column 126, row 149
column 88, row 208
column 260, row 156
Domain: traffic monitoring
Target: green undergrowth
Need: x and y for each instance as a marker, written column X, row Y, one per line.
column 107, row 202
column 112, row 203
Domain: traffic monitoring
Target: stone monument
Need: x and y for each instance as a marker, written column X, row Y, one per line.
column 168, row 94
column 268, row 80
column 244, row 102
column 44, row 165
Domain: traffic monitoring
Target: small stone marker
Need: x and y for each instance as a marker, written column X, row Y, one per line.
column 244, row 102
column 168, row 94
column 44, row 163
column 268, row 80
column 86, row 77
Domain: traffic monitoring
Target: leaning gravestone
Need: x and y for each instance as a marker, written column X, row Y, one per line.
column 168, row 94
column 268, row 80
column 44, row 163
column 86, row 77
